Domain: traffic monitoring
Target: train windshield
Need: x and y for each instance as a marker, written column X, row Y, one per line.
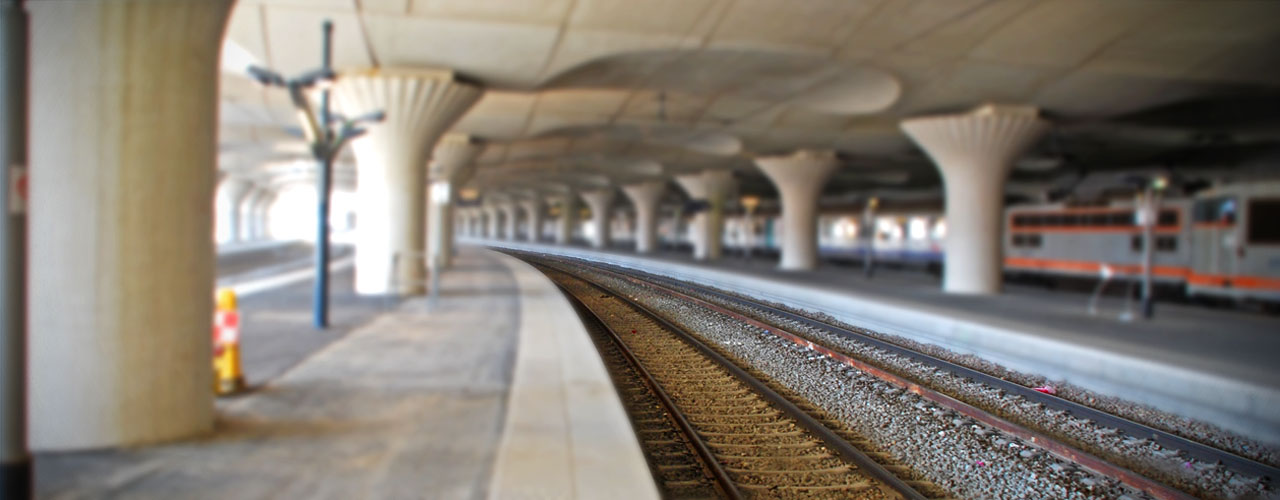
column 1220, row 210
column 1263, row 216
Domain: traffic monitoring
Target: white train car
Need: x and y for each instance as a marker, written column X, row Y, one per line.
column 1086, row 241
column 1235, row 242
column 1222, row 243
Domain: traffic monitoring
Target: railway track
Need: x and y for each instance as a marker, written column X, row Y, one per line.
column 786, row 324
column 712, row 429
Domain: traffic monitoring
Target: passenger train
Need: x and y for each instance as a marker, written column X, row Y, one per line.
column 1221, row 243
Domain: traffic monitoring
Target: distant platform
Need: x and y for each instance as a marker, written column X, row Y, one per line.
column 1214, row 365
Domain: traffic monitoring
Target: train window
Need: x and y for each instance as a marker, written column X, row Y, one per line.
column 1167, row 218
column 1027, row 240
column 1098, row 220
column 1163, row 243
column 1120, row 219
column 1264, row 221
column 1215, row 210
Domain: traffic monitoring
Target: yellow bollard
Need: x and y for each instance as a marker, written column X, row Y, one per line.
column 228, row 378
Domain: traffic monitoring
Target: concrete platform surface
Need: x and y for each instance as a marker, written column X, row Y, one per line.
column 1212, row 365
column 412, row 404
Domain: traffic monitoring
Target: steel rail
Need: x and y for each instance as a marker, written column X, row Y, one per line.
column 833, row 440
column 1038, row 439
column 1165, row 439
column 722, row 479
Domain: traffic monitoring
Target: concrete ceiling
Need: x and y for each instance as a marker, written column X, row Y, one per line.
column 583, row 91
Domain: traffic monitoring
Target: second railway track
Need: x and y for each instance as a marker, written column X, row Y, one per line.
column 753, row 442
column 1060, row 477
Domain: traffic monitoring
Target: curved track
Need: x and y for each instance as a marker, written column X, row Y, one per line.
column 784, row 323
column 753, row 441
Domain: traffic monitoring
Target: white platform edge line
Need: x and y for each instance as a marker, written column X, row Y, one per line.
column 614, row 467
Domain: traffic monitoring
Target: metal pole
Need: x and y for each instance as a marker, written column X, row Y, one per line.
column 1148, row 250
column 869, row 251
column 320, row 298
column 15, row 460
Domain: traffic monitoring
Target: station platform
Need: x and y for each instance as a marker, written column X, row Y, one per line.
column 1216, row 366
column 493, row 390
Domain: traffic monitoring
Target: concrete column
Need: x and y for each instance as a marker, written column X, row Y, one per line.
column 391, row 162
column 799, row 178
column 568, row 217
column 493, row 220
column 475, row 222
column 231, row 193
column 644, row 196
column 451, row 165
column 975, row 152
column 260, row 214
column 712, row 187
column 247, row 211
column 533, row 214
column 510, row 209
column 124, row 106
column 601, row 203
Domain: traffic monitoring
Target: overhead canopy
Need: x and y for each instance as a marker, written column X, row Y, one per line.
column 584, row 90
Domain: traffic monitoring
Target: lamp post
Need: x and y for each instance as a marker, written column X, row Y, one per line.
column 325, row 144
column 1147, row 215
column 869, row 233
column 749, row 205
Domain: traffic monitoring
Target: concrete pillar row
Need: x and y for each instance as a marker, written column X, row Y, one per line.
column 391, row 162
column 975, row 152
column 644, row 196
column 799, row 178
column 568, row 216
column 467, row 220
column 251, row 225
column 123, row 151
column 261, row 214
column 452, row 163
column 601, row 203
column 533, row 214
column 493, row 220
column 231, row 193
column 713, row 187
column 510, row 210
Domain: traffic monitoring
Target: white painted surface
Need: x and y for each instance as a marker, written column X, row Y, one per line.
column 567, row 435
column 123, row 120
column 644, row 196
column 799, row 179
column 974, row 152
column 391, row 161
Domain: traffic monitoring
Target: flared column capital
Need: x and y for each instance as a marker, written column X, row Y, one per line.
column 707, row 184
column 601, row 198
column 804, row 169
column 454, row 157
column 645, row 193
column 420, row 104
column 990, row 137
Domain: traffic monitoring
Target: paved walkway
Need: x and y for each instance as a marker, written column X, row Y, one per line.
column 411, row 405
